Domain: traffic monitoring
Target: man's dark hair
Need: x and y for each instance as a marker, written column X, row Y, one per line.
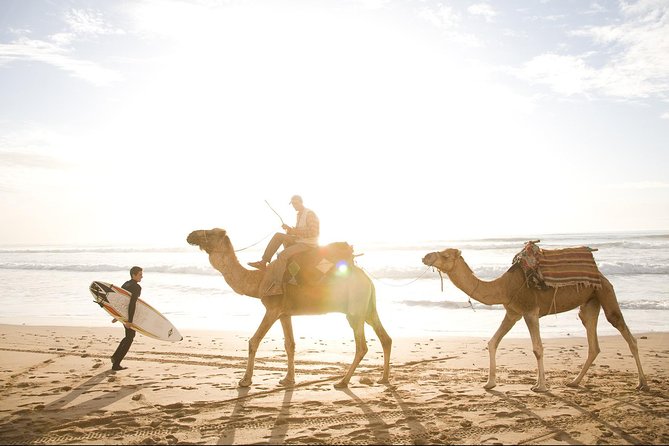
column 134, row 270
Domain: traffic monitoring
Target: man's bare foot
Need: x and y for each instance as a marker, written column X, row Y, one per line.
column 261, row 265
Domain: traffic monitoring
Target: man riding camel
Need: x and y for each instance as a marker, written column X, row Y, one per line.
column 296, row 239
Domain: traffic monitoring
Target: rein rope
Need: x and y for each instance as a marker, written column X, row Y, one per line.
column 391, row 284
column 251, row 246
column 469, row 299
column 469, row 296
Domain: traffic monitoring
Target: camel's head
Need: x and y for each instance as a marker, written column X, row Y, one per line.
column 210, row 240
column 443, row 260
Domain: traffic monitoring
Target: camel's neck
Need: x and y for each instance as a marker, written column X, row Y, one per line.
column 489, row 293
column 240, row 279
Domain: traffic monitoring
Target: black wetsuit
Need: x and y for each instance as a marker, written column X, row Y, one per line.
column 126, row 342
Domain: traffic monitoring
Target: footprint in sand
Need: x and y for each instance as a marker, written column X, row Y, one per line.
column 188, row 419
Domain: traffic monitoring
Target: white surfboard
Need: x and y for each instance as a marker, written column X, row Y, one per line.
column 147, row 320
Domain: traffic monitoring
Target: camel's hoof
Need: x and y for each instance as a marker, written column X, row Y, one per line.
column 572, row 384
column 341, row 385
column 539, row 389
column 287, row 382
column 489, row 386
column 383, row 381
column 643, row 387
column 244, row 383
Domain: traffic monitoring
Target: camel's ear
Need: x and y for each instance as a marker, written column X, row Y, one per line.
column 458, row 253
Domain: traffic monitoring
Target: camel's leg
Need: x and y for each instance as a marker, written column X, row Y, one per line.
column 386, row 342
column 589, row 313
column 509, row 321
column 358, row 325
column 267, row 322
column 532, row 321
column 289, row 342
column 615, row 317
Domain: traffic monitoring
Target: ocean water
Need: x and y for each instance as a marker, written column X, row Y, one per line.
column 46, row 285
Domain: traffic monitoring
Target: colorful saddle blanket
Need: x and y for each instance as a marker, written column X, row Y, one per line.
column 557, row 268
column 315, row 266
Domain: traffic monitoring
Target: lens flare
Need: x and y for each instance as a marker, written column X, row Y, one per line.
column 342, row 268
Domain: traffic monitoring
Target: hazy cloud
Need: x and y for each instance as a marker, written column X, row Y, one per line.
column 484, row 10
column 446, row 19
column 566, row 75
column 636, row 51
column 595, row 8
column 57, row 49
column 442, row 16
column 85, row 22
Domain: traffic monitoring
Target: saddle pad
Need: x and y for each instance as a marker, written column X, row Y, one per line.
column 314, row 266
column 558, row 267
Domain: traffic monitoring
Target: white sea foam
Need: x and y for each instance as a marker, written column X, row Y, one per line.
column 484, row 272
column 633, row 305
column 170, row 269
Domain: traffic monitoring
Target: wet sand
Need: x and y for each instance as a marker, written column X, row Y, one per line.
column 58, row 388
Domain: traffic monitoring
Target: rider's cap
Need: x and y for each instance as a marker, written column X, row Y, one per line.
column 295, row 199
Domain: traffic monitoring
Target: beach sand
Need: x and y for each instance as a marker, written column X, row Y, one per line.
column 57, row 387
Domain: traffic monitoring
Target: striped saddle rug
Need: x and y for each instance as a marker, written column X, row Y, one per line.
column 557, row 268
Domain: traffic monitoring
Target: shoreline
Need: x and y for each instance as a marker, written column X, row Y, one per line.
column 345, row 333
column 58, row 388
column 447, row 323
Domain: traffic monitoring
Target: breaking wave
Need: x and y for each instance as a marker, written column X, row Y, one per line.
column 169, row 269
column 631, row 305
column 386, row 272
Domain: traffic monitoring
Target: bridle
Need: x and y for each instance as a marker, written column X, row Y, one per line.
column 206, row 241
column 441, row 277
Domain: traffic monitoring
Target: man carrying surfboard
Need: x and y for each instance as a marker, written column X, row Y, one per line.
column 135, row 290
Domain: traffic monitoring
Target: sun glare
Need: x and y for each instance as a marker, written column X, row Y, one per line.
column 246, row 102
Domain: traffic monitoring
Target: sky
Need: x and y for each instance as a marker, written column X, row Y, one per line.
column 135, row 122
